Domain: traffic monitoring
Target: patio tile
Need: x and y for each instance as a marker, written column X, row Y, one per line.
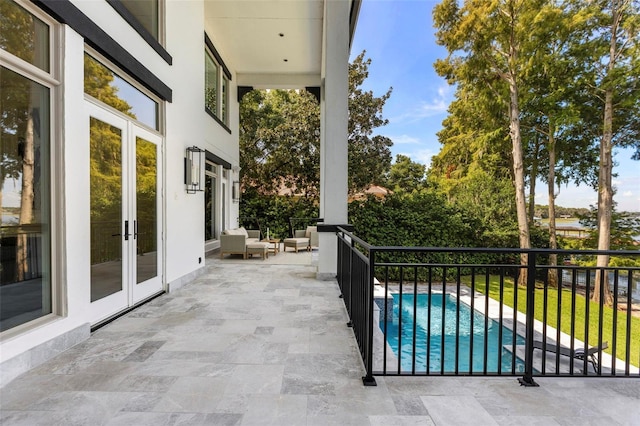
column 463, row 410
column 260, row 344
column 156, row 419
column 401, row 421
column 410, row 405
column 525, row 420
column 266, row 410
column 192, row 395
column 255, row 379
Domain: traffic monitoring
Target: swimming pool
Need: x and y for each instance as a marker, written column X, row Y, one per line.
column 452, row 325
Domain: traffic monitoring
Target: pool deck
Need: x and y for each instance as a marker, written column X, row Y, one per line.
column 260, row 343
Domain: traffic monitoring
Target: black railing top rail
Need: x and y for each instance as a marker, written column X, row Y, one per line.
column 505, row 265
column 356, row 239
column 467, row 250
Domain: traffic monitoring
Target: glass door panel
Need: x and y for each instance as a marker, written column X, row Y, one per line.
column 145, row 211
column 106, row 208
column 126, row 248
column 146, row 223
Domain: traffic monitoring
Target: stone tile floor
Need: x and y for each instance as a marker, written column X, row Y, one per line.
column 262, row 344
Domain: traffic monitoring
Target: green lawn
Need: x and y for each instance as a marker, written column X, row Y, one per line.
column 565, row 298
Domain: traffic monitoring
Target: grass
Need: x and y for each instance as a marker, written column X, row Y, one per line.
column 564, row 296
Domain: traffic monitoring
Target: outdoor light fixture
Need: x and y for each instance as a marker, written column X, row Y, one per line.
column 193, row 166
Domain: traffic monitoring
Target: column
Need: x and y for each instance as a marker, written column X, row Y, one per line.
column 333, row 133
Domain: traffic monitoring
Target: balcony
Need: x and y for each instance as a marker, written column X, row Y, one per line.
column 254, row 342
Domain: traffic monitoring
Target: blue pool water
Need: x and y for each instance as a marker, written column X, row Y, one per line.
column 452, row 325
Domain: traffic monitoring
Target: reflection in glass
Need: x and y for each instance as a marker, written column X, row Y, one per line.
column 146, row 211
column 225, row 89
column 146, row 12
column 211, row 84
column 106, row 86
column 24, row 35
column 25, row 231
column 209, row 203
column 106, row 209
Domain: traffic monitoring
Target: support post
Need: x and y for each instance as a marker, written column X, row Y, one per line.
column 527, row 379
column 369, row 380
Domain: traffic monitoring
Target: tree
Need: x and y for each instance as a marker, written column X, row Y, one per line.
column 280, row 138
column 625, row 227
column 23, row 107
column 489, row 43
column 406, row 175
column 280, row 142
column 611, row 55
column 549, row 105
column 369, row 155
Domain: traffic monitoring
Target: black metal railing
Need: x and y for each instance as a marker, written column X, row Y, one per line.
column 477, row 311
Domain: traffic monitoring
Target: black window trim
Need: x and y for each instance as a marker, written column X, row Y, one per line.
column 210, row 156
column 217, row 56
column 140, row 29
column 218, row 60
column 67, row 13
column 220, row 122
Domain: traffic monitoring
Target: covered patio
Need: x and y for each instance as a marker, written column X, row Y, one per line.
column 253, row 342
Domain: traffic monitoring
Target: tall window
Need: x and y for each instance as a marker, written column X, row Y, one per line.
column 146, row 12
column 26, row 290
column 211, row 84
column 216, row 85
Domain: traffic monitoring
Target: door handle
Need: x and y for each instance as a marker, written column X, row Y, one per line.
column 135, row 229
column 126, row 230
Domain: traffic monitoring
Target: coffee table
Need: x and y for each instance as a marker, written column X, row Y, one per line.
column 274, row 245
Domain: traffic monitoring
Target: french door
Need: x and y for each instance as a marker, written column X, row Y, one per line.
column 126, row 247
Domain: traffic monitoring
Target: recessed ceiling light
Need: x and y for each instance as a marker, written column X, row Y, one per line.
column 286, row 60
column 281, row 34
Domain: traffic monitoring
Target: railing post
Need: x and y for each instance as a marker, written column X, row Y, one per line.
column 350, row 296
column 527, row 379
column 369, row 380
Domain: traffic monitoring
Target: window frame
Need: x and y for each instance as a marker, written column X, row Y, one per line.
column 221, row 114
column 52, row 80
column 156, row 44
column 88, row 50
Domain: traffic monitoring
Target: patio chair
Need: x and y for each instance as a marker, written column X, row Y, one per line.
column 578, row 353
column 297, row 242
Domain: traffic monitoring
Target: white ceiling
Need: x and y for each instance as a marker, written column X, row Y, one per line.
column 247, row 35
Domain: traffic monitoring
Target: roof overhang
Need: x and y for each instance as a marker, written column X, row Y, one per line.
column 271, row 43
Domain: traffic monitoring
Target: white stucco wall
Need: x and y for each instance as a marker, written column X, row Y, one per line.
column 186, row 124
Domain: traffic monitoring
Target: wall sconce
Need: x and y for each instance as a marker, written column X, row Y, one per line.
column 236, row 191
column 193, row 165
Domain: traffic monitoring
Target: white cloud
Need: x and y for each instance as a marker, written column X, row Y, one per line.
column 404, row 139
column 627, row 194
column 422, row 156
column 436, row 106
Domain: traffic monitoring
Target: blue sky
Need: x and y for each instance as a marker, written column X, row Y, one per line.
column 398, row 36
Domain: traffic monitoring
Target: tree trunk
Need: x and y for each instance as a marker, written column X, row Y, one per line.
column 605, row 203
column 551, row 182
column 26, row 202
column 518, row 176
column 532, row 179
column 605, row 189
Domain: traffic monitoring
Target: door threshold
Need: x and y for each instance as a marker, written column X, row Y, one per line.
column 106, row 321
